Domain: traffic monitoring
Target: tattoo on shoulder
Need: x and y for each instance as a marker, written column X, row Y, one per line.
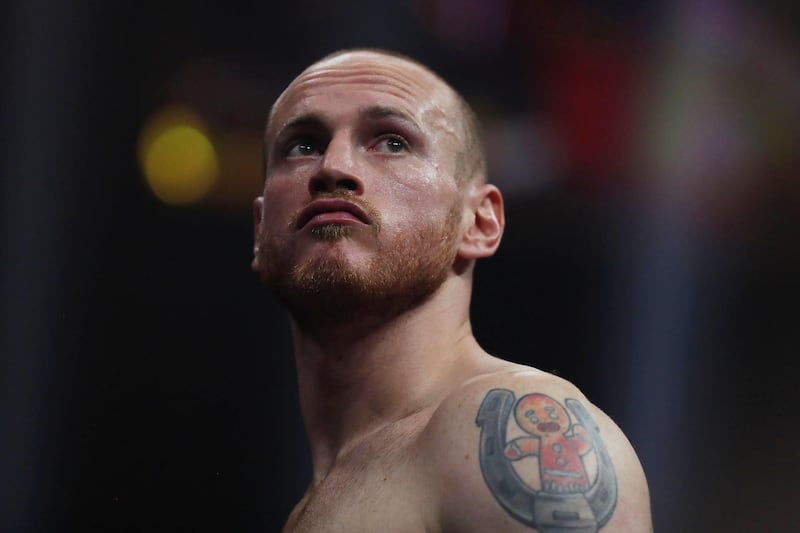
column 554, row 473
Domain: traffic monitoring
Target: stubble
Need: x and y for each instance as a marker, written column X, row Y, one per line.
column 327, row 289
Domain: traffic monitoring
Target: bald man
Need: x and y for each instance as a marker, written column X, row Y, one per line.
column 374, row 210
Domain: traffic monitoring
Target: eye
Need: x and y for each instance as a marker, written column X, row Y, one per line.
column 302, row 148
column 391, row 144
column 551, row 411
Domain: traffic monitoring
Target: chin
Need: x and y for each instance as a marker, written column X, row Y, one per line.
column 332, row 232
column 333, row 290
column 338, row 283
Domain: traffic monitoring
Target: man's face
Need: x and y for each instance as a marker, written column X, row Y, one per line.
column 360, row 203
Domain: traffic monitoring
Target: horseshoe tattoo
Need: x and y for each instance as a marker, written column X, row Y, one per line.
column 567, row 501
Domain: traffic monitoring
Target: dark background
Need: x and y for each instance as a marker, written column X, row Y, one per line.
column 648, row 156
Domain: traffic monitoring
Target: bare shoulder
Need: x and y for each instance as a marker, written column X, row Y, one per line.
column 518, row 449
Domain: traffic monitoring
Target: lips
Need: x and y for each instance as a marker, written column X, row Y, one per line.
column 332, row 210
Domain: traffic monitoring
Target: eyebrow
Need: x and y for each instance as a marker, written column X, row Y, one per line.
column 378, row 112
column 374, row 113
column 300, row 121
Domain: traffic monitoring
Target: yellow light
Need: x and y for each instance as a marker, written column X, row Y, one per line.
column 177, row 158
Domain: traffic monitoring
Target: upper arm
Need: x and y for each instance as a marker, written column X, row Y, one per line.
column 524, row 452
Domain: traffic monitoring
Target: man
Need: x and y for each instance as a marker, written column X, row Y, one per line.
column 374, row 210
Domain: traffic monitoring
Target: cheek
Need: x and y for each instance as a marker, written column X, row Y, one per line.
column 415, row 192
column 414, row 214
column 281, row 199
column 419, row 175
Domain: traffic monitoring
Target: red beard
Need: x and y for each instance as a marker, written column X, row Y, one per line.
column 328, row 290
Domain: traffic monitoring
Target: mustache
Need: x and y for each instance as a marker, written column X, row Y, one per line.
column 372, row 213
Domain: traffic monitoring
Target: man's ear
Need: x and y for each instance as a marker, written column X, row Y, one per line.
column 486, row 222
column 258, row 217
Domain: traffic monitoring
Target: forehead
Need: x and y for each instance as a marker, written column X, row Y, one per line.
column 362, row 79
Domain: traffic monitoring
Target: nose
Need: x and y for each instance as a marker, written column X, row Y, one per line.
column 338, row 170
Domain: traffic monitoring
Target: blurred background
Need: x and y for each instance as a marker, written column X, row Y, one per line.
column 648, row 153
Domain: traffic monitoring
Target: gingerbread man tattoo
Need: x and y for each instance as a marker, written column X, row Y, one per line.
column 569, row 497
column 558, row 444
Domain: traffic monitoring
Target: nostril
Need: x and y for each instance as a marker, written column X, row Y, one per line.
column 327, row 183
column 318, row 184
column 348, row 184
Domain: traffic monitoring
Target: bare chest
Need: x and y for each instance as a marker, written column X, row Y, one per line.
column 381, row 493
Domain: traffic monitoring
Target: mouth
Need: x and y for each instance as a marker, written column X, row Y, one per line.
column 548, row 427
column 331, row 211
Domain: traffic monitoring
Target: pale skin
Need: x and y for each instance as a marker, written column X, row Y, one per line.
column 390, row 397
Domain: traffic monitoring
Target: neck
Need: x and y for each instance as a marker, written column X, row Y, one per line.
column 363, row 376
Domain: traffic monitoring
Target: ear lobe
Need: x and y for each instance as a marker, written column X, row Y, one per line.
column 258, row 217
column 487, row 221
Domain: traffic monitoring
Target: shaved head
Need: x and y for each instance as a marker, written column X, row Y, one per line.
column 470, row 159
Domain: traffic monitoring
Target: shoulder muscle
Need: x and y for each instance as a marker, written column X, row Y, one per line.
column 526, row 450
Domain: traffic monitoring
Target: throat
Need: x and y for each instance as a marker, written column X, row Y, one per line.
column 335, row 320
column 373, row 444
